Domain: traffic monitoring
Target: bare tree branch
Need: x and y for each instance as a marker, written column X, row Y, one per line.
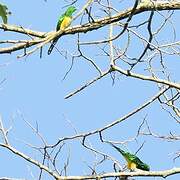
column 86, row 27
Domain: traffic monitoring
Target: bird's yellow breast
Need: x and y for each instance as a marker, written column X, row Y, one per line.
column 131, row 165
column 65, row 23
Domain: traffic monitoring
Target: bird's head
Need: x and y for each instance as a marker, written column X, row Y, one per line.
column 70, row 11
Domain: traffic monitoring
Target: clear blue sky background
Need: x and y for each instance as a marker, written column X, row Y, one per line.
column 34, row 90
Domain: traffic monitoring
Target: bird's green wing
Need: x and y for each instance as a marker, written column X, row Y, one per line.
column 61, row 18
column 139, row 164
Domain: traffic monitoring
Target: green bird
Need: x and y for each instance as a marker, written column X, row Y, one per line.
column 63, row 22
column 133, row 162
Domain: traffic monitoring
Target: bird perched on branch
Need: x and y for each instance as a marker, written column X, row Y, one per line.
column 63, row 22
column 133, row 162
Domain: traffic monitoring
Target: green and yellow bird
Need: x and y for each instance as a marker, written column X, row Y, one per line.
column 133, row 162
column 63, row 22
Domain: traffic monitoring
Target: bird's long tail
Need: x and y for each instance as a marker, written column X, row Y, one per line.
column 52, row 45
column 117, row 148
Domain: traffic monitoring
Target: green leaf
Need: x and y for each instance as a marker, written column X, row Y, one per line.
column 4, row 12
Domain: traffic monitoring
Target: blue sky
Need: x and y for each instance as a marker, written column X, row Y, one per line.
column 34, row 91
